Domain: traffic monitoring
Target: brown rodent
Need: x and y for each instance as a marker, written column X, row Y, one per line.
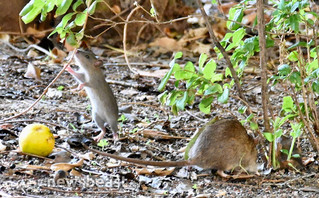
column 103, row 102
column 284, row 143
column 223, row 145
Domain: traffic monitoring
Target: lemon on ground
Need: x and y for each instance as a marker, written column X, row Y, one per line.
column 36, row 139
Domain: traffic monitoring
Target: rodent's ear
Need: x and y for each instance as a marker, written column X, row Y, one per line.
column 98, row 63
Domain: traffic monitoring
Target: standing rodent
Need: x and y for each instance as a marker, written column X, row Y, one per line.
column 222, row 145
column 103, row 102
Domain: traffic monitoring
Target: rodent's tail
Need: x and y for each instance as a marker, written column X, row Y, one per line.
column 142, row 162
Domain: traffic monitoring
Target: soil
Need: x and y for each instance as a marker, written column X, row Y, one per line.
column 67, row 113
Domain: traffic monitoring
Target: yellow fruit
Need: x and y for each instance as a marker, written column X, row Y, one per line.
column 36, row 139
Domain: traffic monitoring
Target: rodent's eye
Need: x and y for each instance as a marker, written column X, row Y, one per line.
column 87, row 56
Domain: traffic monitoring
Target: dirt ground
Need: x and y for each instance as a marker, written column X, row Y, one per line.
column 67, row 113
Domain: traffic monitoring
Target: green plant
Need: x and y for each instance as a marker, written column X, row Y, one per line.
column 201, row 81
column 134, row 130
column 103, row 143
column 297, row 72
column 60, row 88
column 72, row 20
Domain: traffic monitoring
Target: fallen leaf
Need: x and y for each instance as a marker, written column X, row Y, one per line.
column 5, row 38
column 60, row 54
column 88, row 156
column 54, row 93
column 6, row 126
column 221, row 193
column 199, row 48
column 32, row 53
column 36, row 33
column 66, row 166
column 34, row 167
column 129, row 92
column 33, row 72
column 2, row 147
column 75, row 173
column 204, row 195
column 116, row 9
column 157, row 73
column 61, row 156
column 155, row 171
column 166, row 43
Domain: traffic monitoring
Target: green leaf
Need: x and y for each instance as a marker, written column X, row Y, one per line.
column 63, row 8
column 230, row 46
column 294, row 22
column 296, row 156
column 227, row 72
column 269, row 42
column 281, row 5
column 60, row 88
column 178, row 55
column 293, row 56
column 153, row 12
column 242, row 109
column 202, row 60
column 300, row 43
column 193, row 82
column 284, row 70
column 295, row 78
column 315, row 86
column 227, row 37
column 209, row 69
column 285, row 151
column 167, row 75
column 250, row 117
column 224, row 97
column 251, row 44
column 235, row 15
column 77, row 4
column 80, row 19
column 238, row 36
column 172, row 97
column 253, row 125
column 71, row 39
column 92, row 7
column 44, row 13
column 79, row 35
column 34, row 12
column 278, row 133
column 102, row 143
column 205, row 104
column 27, row 8
column 180, row 103
column 269, row 136
column 287, row 104
column 313, row 65
column 186, row 73
column 216, row 77
column 296, row 130
column 216, row 88
column 65, row 20
column 162, row 97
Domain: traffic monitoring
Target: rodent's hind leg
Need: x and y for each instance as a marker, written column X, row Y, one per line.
column 223, row 174
column 100, row 123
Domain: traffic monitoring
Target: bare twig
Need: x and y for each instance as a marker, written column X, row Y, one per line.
column 263, row 66
column 34, row 120
column 124, row 40
column 29, row 47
